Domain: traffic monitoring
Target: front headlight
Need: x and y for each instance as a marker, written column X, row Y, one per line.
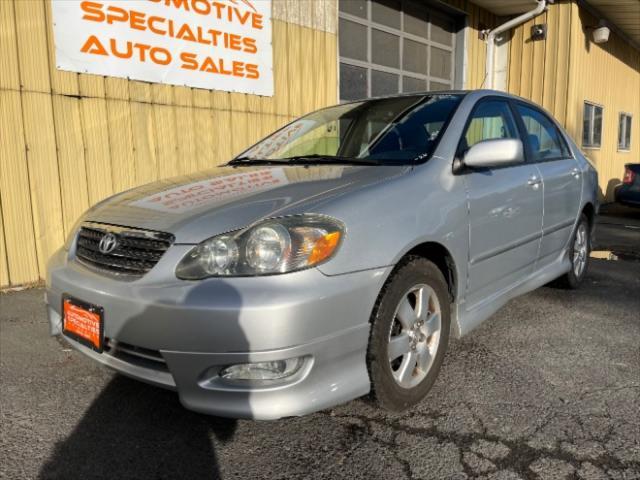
column 278, row 245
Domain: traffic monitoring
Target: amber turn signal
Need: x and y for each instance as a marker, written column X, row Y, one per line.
column 324, row 248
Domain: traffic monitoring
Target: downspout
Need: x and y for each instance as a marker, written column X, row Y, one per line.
column 491, row 37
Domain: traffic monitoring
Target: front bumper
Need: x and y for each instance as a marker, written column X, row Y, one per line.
column 197, row 328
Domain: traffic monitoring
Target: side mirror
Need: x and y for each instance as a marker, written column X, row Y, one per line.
column 495, row 153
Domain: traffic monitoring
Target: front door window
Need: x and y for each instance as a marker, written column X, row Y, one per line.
column 490, row 120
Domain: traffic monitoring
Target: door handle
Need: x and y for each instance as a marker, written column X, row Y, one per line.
column 575, row 172
column 534, row 181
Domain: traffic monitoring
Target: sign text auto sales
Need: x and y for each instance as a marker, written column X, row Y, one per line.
column 213, row 44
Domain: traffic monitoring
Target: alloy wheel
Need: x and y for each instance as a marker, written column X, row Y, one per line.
column 580, row 250
column 414, row 336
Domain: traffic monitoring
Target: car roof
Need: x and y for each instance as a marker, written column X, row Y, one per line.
column 408, row 94
column 479, row 93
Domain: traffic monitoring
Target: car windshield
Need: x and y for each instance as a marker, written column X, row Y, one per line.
column 399, row 130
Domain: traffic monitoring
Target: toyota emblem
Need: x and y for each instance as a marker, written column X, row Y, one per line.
column 108, row 243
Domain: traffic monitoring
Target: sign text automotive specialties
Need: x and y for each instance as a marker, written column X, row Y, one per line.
column 212, row 44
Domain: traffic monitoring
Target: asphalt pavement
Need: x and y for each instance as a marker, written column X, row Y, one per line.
column 548, row 388
column 618, row 232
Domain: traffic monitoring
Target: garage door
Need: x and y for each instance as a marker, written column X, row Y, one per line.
column 391, row 46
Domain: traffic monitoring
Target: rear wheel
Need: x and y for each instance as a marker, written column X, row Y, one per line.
column 579, row 250
column 409, row 335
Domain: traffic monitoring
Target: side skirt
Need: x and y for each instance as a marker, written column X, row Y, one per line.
column 465, row 321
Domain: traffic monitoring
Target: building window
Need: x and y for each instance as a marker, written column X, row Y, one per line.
column 392, row 46
column 624, row 132
column 592, row 126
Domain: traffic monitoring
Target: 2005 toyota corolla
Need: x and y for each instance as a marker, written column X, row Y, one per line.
column 333, row 259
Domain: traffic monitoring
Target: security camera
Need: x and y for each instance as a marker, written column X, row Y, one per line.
column 539, row 32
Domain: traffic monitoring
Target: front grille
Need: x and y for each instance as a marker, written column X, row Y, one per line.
column 136, row 251
column 140, row 356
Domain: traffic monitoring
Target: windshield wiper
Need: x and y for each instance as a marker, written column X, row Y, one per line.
column 257, row 161
column 316, row 158
column 312, row 159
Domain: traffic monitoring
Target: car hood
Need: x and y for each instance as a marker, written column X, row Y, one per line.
column 197, row 206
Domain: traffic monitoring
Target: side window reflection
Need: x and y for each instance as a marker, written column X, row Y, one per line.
column 490, row 120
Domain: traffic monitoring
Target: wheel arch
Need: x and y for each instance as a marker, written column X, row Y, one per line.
column 589, row 210
column 442, row 258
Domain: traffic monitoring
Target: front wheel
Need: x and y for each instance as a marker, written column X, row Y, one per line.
column 579, row 250
column 409, row 335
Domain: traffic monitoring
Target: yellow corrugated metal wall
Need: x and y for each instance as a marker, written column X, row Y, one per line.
column 69, row 140
column 607, row 74
column 567, row 68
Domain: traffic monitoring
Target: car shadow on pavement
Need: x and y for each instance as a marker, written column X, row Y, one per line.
column 133, row 430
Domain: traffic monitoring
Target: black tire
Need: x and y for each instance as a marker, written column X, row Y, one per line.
column 571, row 280
column 385, row 391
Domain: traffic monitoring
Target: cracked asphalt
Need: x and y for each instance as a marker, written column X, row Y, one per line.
column 548, row 388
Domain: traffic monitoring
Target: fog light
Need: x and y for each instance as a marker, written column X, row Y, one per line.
column 274, row 370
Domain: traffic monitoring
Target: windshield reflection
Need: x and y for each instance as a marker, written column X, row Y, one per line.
column 395, row 130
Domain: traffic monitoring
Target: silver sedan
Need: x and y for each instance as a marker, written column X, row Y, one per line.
column 331, row 260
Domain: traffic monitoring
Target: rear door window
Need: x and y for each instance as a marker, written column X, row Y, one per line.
column 543, row 139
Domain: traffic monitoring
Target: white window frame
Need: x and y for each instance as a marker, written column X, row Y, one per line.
column 621, row 146
column 591, row 135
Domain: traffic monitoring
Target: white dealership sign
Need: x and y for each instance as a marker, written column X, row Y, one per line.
column 212, row 44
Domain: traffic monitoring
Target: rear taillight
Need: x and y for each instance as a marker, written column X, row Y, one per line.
column 629, row 176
